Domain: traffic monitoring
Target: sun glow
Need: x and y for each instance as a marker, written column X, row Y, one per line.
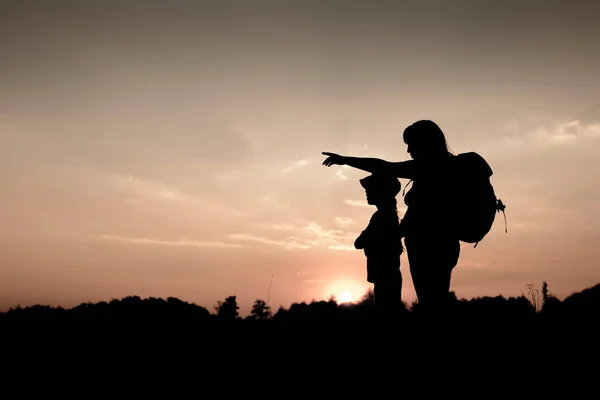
column 345, row 290
column 346, row 297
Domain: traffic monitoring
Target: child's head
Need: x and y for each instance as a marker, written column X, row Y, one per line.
column 380, row 188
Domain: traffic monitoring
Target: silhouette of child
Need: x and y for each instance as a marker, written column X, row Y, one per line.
column 381, row 242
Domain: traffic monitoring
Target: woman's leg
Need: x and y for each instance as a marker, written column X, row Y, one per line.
column 431, row 264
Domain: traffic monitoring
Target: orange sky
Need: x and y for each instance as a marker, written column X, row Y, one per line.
column 175, row 149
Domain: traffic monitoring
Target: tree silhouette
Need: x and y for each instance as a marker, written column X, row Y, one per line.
column 550, row 303
column 368, row 298
column 260, row 310
column 228, row 309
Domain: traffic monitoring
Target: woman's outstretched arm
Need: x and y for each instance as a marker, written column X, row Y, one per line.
column 402, row 169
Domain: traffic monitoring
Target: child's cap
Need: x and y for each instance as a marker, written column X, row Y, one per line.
column 381, row 182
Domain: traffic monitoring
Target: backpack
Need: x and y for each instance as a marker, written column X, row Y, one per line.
column 473, row 201
column 476, row 204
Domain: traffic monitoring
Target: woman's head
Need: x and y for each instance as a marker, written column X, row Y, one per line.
column 381, row 189
column 425, row 139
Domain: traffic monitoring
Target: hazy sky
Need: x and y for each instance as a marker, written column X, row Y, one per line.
column 173, row 148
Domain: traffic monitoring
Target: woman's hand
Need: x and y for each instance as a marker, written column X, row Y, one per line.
column 333, row 159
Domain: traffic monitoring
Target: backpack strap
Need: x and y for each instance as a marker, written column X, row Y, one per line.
column 405, row 186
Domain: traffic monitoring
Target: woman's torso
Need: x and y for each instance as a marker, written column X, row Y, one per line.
column 429, row 201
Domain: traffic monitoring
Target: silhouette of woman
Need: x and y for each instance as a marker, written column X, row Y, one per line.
column 381, row 243
column 432, row 246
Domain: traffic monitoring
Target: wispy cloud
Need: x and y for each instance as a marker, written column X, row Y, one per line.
column 343, row 221
column 132, row 185
column 357, row 203
column 363, row 203
column 173, row 200
column 551, row 133
column 296, row 165
column 282, row 227
column 342, row 247
column 286, row 243
column 302, row 236
column 340, row 174
column 161, row 242
column 329, row 237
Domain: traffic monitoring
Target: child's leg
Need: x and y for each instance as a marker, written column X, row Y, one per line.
column 388, row 295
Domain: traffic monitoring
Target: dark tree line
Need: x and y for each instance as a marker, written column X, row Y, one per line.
column 532, row 304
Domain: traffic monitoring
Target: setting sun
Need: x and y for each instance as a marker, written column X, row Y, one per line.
column 346, row 297
column 345, row 290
